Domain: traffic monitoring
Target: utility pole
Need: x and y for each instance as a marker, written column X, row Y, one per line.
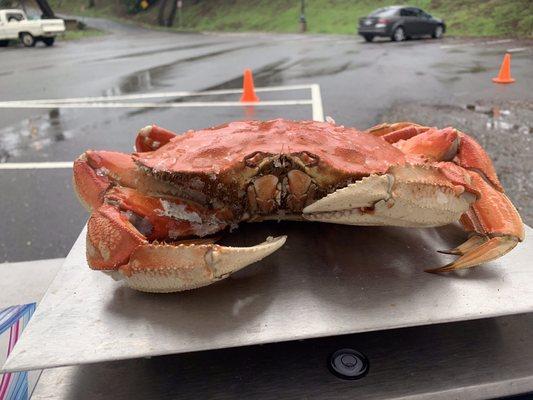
column 303, row 22
column 180, row 5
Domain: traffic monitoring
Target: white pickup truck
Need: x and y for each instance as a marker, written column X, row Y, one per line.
column 15, row 25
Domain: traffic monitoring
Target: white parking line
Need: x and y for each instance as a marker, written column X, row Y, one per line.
column 157, row 105
column 37, row 165
column 158, row 95
column 517, row 49
column 318, row 111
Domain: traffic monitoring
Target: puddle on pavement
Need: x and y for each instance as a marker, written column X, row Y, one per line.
column 134, row 83
column 32, row 134
column 277, row 72
column 266, row 76
column 454, row 68
column 273, row 74
column 498, row 119
column 456, row 50
column 159, row 76
column 448, row 79
column 472, row 69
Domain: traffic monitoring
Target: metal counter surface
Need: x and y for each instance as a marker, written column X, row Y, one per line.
column 327, row 280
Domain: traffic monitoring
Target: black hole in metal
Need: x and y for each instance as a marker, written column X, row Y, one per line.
column 348, row 364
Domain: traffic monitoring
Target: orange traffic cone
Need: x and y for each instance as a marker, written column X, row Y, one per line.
column 248, row 90
column 504, row 76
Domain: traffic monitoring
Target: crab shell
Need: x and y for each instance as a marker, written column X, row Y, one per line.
column 202, row 182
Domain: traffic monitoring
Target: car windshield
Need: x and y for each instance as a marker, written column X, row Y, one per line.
column 384, row 12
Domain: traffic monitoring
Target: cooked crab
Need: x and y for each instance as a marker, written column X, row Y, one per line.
column 154, row 211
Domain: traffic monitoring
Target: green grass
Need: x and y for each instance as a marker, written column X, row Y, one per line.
column 506, row 18
column 81, row 34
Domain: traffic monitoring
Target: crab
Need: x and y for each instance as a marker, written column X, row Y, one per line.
column 154, row 213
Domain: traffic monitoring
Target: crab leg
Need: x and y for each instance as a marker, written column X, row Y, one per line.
column 111, row 238
column 94, row 172
column 488, row 251
column 394, row 132
column 166, row 217
column 164, row 268
column 472, row 242
column 133, row 218
column 152, row 137
column 123, row 235
column 497, row 225
column 115, row 246
column 494, row 221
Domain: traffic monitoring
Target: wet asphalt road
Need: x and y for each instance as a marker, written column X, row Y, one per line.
column 434, row 82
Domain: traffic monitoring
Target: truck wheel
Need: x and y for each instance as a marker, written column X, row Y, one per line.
column 4, row 43
column 27, row 39
column 49, row 41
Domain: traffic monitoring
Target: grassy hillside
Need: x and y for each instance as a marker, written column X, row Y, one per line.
column 464, row 17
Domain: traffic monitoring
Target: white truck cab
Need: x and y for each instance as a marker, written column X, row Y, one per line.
column 14, row 24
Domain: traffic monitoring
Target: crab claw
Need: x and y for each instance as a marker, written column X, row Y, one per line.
column 152, row 137
column 165, row 268
column 95, row 171
column 409, row 195
column 110, row 238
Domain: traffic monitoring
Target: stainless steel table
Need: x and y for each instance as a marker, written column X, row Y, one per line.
column 328, row 280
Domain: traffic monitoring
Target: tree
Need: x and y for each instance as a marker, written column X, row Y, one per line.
column 167, row 13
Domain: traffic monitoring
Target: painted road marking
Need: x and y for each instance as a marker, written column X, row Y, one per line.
column 37, row 165
column 518, row 49
column 156, row 95
column 316, row 98
column 158, row 105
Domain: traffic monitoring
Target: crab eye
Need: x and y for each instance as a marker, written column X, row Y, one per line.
column 253, row 160
column 309, row 160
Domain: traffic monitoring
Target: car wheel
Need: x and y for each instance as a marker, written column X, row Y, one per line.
column 4, row 43
column 49, row 41
column 27, row 39
column 368, row 38
column 437, row 33
column 398, row 35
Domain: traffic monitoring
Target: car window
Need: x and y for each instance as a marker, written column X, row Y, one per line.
column 11, row 17
column 384, row 12
column 407, row 12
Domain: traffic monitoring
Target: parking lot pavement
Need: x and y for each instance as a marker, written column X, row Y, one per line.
column 430, row 81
